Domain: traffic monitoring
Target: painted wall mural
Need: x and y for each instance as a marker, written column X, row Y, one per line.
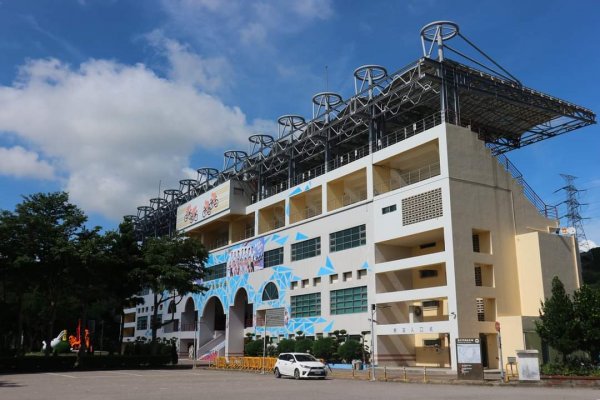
column 225, row 289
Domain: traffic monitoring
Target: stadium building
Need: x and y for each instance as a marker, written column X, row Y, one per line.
column 397, row 203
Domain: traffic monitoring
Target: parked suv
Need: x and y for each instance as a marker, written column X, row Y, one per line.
column 299, row 365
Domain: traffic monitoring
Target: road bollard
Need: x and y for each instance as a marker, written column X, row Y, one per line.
column 385, row 373
column 352, row 372
column 404, row 374
column 424, row 374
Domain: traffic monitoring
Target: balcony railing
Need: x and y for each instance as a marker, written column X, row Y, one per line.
column 346, row 200
column 409, row 178
column 247, row 234
column 306, row 213
column 188, row 327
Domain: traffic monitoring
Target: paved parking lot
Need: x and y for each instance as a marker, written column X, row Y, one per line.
column 225, row 385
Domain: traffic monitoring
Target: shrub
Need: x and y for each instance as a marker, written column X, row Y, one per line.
column 286, row 346
column 254, row 348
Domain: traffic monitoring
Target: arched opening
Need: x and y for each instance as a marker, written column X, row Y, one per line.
column 240, row 317
column 212, row 328
column 270, row 292
column 188, row 327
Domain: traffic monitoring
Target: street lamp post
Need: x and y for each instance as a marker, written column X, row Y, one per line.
column 373, row 306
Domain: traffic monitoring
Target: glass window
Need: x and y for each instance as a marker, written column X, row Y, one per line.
column 388, row 209
column 306, row 249
column 270, row 292
column 306, row 305
column 142, row 323
column 348, row 238
column 348, row 301
column 215, row 272
column 273, row 257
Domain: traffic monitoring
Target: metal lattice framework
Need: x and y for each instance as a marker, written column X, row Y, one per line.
column 385, row 108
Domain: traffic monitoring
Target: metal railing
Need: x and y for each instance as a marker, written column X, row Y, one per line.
column 408, row 178
column 346, row 200
column 306, row 213
column 546, row 210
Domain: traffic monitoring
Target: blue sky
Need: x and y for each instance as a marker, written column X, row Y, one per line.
column 105, row 99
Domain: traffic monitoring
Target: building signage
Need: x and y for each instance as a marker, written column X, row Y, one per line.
column 210, row 203
column 468, row 358
column 246, row 257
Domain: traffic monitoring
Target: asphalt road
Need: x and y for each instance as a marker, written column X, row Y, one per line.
column 225, row 385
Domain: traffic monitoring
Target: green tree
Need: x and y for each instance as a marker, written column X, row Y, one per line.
column 586, row 303
column 286, row 346
column 350, row 350
column 254, row 348
column 171, row 268
column 45, row 229
column 325, row 348
column 303, row 345
column 558, row 326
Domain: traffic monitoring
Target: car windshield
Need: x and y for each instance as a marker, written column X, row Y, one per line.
column 305, row 357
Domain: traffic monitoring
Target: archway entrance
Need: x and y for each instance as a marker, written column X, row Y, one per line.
column 240, row 317
column 188, row 329
column 212, row 326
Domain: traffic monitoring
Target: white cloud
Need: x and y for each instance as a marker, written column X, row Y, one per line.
column 21, row 163
column 116, row 130
column 586, row 245
column 224, row 23
column 207, row 74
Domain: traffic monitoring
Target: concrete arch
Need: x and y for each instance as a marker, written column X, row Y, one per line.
column 212, row 321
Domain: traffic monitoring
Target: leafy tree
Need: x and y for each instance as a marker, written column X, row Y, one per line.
column 586, row 303
column 590, row 267
column 350, row 350
column 254, row 348
column 286, row 346
column 303, row 345
column 558, row 326
column 325, row 348
column 45, row 228
column 171, row 268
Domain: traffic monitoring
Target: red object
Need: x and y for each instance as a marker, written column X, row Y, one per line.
column 497, row 326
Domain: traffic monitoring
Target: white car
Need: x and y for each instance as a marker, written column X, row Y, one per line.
column 299, row 365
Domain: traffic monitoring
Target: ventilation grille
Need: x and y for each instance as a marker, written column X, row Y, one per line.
column 422, row 207
column 480, row 309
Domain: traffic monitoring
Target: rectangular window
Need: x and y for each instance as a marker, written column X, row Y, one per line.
column 348, row 238
column 306, row 249
column 215, row 272
column 388, row 209
column 428, row 273
column 274, row 257
column 142, row 323
column 348, row 301
column 476, row 247
column 478, row 280
column 306, row 305
column 158, row 318
column 432, row 342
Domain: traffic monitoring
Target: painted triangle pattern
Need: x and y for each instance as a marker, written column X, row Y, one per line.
column 301, row 236
column 328, row 269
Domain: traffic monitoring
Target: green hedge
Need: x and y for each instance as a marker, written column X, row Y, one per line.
column 68, row 363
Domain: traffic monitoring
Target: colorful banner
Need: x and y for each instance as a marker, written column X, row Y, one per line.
column 204, row 206
column 246, row 257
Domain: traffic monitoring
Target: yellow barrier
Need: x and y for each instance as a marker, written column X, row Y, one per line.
column 245, row 363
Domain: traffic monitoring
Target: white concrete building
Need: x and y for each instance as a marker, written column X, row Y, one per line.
column 397, row 201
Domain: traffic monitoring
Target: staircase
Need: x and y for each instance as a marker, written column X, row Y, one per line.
column 211, row 350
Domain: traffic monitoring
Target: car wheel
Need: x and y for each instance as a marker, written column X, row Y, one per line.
column 296, row 374
column 277, row 373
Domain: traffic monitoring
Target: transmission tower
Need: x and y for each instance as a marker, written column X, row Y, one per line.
column 573, row 206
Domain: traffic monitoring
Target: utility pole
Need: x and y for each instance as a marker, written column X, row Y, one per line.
column 573, row 205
